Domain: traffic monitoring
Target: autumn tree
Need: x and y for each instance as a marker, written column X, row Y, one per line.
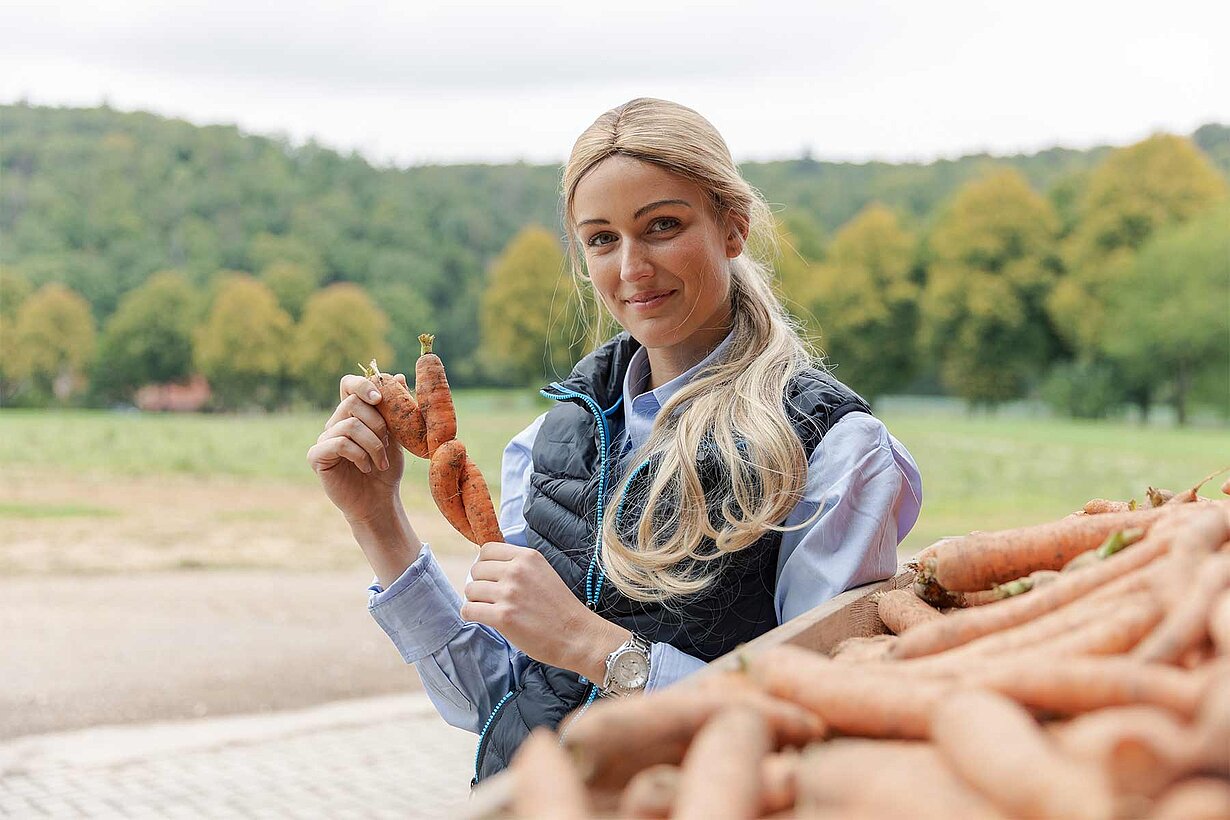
column 341, row 328
column 867, row 303
column 529, row 310
column 53, row 342
column 292, row 283
column 149, row 337
column 1162, row 181
column 797, row 281
column 991, row 269
column 242, row 346
column 1168, row 321
column 14, row 289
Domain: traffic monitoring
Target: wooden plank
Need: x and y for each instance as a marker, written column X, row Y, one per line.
column 848, row 615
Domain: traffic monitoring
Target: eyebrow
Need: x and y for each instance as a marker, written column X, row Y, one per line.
column 644, row 209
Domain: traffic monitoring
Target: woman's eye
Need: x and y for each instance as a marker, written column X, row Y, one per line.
column 664, row 223
column 600, row 239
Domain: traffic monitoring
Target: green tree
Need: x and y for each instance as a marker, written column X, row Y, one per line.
column 242, row 346
column 529, row 310
column 341, row 327
column 14, row 289
column 867, row 303
column 292, row 283
column 1161, row 181
column 991, row 268
column 409, row 315
column 798, row 281
column 53, row 342
column 1169, row 318
column 149, row 337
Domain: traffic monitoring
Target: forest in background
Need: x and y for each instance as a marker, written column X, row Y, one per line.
column 136, row 249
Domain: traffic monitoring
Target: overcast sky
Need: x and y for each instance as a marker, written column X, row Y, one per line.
column 411, row 82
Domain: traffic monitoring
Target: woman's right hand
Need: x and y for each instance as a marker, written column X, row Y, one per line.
column 357, row 460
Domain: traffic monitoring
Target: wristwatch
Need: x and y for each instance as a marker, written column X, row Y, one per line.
column 627, row 668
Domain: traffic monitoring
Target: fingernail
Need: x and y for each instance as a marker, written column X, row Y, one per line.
column 384, row 464
column 374, row 395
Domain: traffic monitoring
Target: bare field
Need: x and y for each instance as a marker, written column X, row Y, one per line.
column 55, row 523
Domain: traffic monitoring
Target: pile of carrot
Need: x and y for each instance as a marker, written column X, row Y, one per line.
column 424, row 422
column 1097, row 690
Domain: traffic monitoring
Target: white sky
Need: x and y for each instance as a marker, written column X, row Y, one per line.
column 411, row 82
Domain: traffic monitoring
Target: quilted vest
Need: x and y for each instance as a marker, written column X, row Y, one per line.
column 574, row 473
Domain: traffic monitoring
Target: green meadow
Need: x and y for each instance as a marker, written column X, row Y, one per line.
column 979, row 471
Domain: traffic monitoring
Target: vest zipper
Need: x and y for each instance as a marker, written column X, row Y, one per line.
column 482, row 736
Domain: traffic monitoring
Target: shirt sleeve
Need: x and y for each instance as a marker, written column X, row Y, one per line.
column 863, row 495
column 465, row 667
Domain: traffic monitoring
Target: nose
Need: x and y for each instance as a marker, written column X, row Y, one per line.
column 634, row 263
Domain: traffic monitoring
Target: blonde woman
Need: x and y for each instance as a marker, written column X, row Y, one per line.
column 698, row 482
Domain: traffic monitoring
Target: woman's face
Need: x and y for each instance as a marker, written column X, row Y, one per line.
column 657, row 256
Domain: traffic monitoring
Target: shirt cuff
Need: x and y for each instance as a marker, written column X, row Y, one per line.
column 668, row 665
column 420, row 611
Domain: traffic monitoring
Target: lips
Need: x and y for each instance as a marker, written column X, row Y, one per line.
column 648, row 296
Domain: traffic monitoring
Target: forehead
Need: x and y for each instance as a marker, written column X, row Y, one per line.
column 617, row 186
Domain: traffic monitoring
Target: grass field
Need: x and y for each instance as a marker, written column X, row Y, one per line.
column 978, row 472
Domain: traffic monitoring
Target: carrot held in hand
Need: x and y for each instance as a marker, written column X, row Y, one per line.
column 476, row 499
column 400, row 410
column 447, row 467
column 435, row 399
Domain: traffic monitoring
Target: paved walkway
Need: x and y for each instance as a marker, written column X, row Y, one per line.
column 386, row 756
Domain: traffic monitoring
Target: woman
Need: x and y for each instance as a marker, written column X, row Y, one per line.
column 698, row 482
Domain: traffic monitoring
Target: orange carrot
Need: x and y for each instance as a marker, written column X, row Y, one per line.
column 1191, row 494
column 726, row 753
column 1225, row 487
column 1082, row 684
column 961, row 627
column 1158, row 497
column 1219, row 624
column 1187, row 623
column 1098, row 506
column 444, row 477
column 434, row 396
column 614, row 740
column 545, row 785
column 999, row 749
column 399, row 410
column 901, row 609
column 1142, row 749
column 884, row 778
column 1213, row 723
column 1198, row 798
column 853, row 700
column 979, row 561
column 779, row 781
column 1182, row 565
column 479, row 510
column 859, row 649
column 651, row 792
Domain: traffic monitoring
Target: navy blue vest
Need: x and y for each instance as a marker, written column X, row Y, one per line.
column 575, row 471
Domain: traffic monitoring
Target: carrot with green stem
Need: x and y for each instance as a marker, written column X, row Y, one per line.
column 434, row 397
column 979, row 561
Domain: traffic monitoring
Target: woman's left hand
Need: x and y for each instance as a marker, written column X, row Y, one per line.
column 515, row 591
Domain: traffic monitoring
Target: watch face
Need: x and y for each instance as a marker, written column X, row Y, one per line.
column 631, row 670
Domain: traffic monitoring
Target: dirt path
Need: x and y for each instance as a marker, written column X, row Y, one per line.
column 125, row 600
column 85, row 651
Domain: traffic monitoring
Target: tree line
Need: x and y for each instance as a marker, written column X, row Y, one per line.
column 138, row 250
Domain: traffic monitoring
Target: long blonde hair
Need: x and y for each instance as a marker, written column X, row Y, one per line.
column 734, row 409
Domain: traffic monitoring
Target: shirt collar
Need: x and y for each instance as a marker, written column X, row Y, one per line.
column 636, row 379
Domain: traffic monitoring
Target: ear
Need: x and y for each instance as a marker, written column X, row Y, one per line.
column 737, row 228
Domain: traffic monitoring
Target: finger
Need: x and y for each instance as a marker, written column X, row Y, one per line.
column 480, row 612
column 499, row 551
column 488, row 570
column 482, row 592
column 340, row 447
column 353, row 406
column 362, row 435
column 352, row 385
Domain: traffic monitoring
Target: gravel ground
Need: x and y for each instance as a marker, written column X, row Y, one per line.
column 81, row 651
